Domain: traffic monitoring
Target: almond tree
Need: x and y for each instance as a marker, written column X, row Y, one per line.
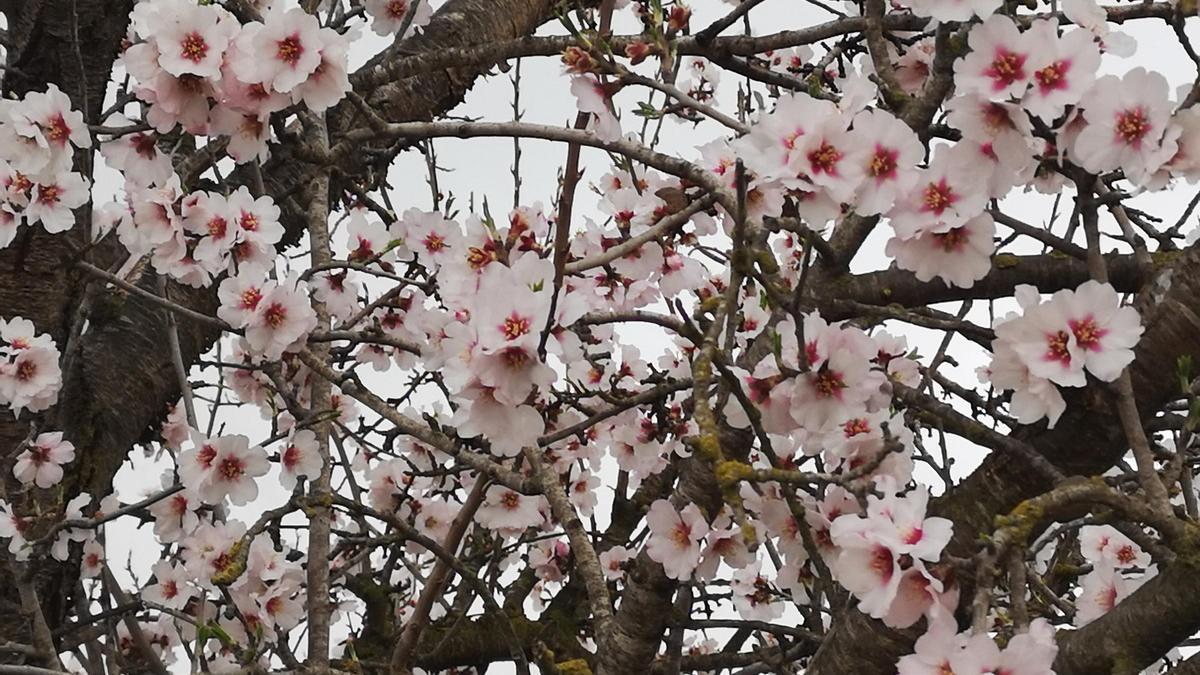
column 661, row 421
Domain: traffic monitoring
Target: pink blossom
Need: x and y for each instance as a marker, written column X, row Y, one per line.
column 887, row 152
column 675, row 537
column 282, row 319
column 193, row 40
column 54, row 200
column 947, row 195
column 959, row 256
column 299, row 458
column 1127, row 123
column 1103, row 545
column 41, row 463
column 1064, row 69
column 613, row 561
column 92, row 561
column 172, row 586
column 389, row 15
column 508, row 511
column 997, row 66
column 280, row 53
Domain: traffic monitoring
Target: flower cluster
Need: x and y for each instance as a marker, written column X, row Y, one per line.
column 30, row 377
column 940, row 650
column 1119, row 567
column 38, row 137
column 276, row 316
column 197, row 66
column 1056, row 341
column 885, row 556
column 222, row 467
column 199, row 236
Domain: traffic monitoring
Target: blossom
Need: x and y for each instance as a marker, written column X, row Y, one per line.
column 839, row 381
column 280, row 53
column 224, row 466
column 1099, row 591
column 330, row 80
column 947, row 194
column 30, row 376
column 92, row 561
column 879, row 550
column 753, row 597
column 171, row 588
column 960, row 256
column 887, row 152
column 193, row 39
column 54, row 200
column 1085, row 328
column 1033, row 397
column 507, row 510
column 996, row 66
column 175, row 516
column 1127, row 119
column 299, row 458
column 389, row 15
column 592, row 97
column 1064, row 69
column 282, row 319
column 675, row 537
column 1104, row 545
column 612, row 562
column 41, row 463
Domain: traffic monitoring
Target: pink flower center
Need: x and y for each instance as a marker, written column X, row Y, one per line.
column 1007, row 67
column 1125, row 555
column 231, row 468
column 290, row 49
column 205, row 456
column 275, row 315
column 217, row 227
column 291, row 457
column 39, row 455
column 1087, row 333
column 682, row 535
column 1056, row 347
column 938, row 197
column 514, row 358
column 249, row 222
column 515, row 326
column 26, row 370
column 951, row 241
column 824, row 159
column 1053, row 76
column 48, row 194
column 883, row 163
column 397, row 9
column 144, row 145
column 829, row 384
column 856, row 426
column 1132, row 126
column 193, row 48
column 250, row 298
column 510, row 500
column 435, row 243
column 881, row 563
column 57, row 130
